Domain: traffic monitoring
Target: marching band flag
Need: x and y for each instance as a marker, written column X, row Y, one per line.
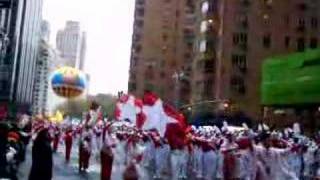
column 129, row 108
column 159, row 115
column 150, row 113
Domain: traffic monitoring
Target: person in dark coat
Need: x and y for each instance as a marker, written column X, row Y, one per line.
column 41, row 157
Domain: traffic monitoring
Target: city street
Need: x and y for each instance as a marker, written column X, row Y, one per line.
column 61, row 170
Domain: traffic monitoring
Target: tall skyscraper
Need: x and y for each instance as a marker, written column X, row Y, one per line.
column 8, row 13
column 236, row 36
column 44, row 60
column 20, row 25
column 83, row 50
column 71, row 44
column 45, row 31
column 162, row 49
column 27, row 52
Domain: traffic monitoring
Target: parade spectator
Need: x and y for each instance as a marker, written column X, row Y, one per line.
column 42, row 161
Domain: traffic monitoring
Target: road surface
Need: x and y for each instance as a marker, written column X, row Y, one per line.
column 62, row 170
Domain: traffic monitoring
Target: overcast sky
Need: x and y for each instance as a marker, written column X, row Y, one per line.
column 108, row 24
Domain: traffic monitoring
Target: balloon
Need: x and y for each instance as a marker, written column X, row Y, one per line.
column 68, row 82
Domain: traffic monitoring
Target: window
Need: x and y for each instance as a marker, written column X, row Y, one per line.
column 243, row 19
column 203, row 26
column 209, row 66
column 205, row 7
column 287, row 20
column 208, row 88
column 132, row 86
column 136, row 37
column 164, row 37
column 187, row 55
column 240, row 38
column 139, row 23
column 245, row 3
column 239, row 61
column 313, row 43
column 287, row 41
column 300, row 44
column 133, row 76
column 138, row 48
column 177, row 13
column 135, row 61
column 302, row 6
column 149, row 73
column 301, row 25
column 162, row 74
column 140, row 2
column 267, row 41
column 3, row 85
column 203, row 46
column 237, row 84
column 314, row 23
column 140, row 11
column 268, row 3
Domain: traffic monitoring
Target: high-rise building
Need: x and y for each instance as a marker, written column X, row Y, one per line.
column 44, row 60
column 83, row 50
column 45, row 31
column 235, row 37
column 25, row 70
column 7, row 34
column 72, row 44
column 20, row 26
column 162, row 49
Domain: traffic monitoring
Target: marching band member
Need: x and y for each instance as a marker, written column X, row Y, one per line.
column 107, row 156
column 68, row 138
column 85, row 149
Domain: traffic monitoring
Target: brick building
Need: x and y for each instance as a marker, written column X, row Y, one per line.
column 235, row 36
column 162, row 47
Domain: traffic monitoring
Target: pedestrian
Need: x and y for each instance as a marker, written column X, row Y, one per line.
column 42, row 161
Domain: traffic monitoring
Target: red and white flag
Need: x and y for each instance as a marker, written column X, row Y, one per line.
column 159, row 115
column 129, row 108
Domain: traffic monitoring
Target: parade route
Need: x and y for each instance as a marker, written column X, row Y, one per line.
column 62, row 170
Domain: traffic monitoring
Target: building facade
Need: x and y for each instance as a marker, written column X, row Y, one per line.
column 40, row 94
column 71, row 44
column 234, row 37
column 44, row 61
column 83, row 51
column 7, row 34
column 162, row 49
column 20, row 28
column 25, row 71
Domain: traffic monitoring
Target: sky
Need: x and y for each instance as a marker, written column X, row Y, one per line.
column 109, row 25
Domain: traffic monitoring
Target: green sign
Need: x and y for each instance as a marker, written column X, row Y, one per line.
column 291, row 80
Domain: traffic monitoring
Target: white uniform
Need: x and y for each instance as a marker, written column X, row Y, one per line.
column 210, row 165
column 119, row 160
column 275, row 162
column 197, row 165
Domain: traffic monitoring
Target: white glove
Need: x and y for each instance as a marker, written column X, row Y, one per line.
column 10, row 154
